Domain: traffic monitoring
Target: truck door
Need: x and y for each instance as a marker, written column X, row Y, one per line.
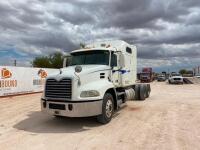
column 115, row 70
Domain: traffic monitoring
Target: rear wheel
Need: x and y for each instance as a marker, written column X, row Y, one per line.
column 143, row 91
column 148, row 90
column 107, row 109
column 137, row 92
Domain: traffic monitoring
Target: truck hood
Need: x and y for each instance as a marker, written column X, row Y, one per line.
column 86, row 69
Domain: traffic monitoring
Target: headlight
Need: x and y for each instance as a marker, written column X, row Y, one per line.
column 91, row 93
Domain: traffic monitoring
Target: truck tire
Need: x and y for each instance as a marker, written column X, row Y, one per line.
column 137, row 92
column 148, row 90
column 107, row 109
column 143, row 92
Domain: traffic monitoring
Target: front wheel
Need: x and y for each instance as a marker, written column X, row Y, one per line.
column 107, row 109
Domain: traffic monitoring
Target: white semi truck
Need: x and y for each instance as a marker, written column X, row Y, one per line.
column 94, row 81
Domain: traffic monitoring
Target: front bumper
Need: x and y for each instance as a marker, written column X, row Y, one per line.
column 72, row 108
column 161, row 79
column 176, row 81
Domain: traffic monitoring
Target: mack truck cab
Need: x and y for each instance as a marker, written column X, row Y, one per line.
column 94, row 81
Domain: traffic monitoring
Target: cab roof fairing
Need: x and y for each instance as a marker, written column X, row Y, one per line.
column 110, row 45
column 119, row 44
column 96, row 48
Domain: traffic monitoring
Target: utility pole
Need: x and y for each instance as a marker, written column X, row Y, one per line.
column 15, row 62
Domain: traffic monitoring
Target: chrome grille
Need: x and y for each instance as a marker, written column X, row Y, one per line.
column 58, row 89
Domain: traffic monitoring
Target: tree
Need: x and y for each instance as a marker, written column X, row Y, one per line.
column 54, row 60
column 41, row 62
column 183, row 71
column 82, row 45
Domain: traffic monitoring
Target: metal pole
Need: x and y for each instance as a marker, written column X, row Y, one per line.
column 15, row 62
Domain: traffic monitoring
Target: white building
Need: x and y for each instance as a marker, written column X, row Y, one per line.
column 197, row 70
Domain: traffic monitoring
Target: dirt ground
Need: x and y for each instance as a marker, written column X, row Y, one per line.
column 168, row 120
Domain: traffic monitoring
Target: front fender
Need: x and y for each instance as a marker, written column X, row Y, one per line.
column 101, row 86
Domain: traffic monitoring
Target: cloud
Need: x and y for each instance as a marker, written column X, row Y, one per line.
column 165, row 32
column 76, row 16
column 50, row 40
column 167, row 51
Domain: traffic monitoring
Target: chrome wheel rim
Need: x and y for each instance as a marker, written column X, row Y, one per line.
column 109, row 108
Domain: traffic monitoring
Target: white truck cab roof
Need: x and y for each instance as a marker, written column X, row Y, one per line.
column 92, row 49
column 110, row 45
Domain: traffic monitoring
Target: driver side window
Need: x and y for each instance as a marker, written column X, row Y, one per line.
column 113, row 60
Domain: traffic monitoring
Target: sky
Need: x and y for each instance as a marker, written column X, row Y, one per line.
column 166, row 33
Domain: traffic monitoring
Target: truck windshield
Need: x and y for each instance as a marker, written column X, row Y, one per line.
column 90, row 57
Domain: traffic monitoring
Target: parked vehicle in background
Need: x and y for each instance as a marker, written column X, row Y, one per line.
column 196, row 71
column 197, row 76
column 100, row 78
column 146, row 75
column 161, row 77
column 175, row 78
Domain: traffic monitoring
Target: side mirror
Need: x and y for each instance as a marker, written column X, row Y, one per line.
column 114, row 60
column 121, row 60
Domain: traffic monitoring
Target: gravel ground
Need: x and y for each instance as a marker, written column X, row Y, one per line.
column 168, row 120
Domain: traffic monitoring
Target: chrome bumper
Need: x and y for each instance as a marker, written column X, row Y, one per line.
column 72, row 109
